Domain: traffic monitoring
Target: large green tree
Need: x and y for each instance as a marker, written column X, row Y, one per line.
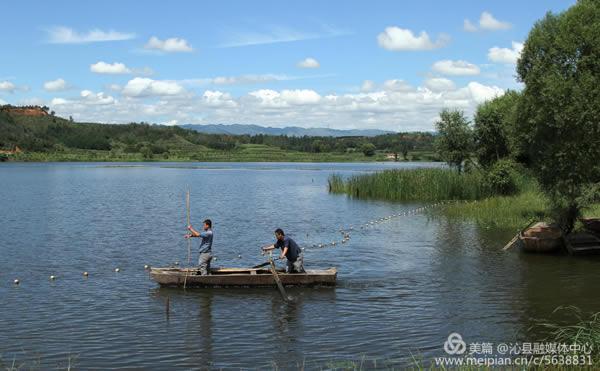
column 368, row 149
column 455, row 138
column 494, row 125
column 559, row 113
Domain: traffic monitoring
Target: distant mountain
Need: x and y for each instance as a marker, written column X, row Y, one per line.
column 291, row 131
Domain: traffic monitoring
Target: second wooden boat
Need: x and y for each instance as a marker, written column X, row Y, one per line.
column 592, row 225
column 582, row 243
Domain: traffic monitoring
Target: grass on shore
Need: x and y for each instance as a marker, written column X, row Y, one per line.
column 244, row 153
column 431, row 185
column 509, row 212
column 506, row 212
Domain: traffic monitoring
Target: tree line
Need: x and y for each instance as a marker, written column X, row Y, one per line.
column 51, row 133
column 551, row 127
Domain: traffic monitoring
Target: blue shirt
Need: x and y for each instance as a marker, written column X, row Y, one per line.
column 293, row 248
column 206, row 241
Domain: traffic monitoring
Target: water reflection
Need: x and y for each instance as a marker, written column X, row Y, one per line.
column 205, row 329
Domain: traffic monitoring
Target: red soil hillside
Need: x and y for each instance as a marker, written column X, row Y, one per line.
column 25, row 111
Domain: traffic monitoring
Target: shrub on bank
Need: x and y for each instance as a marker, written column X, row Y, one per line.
column 501, row 178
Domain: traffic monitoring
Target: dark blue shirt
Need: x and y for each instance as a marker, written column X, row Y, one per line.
column 206, row 241
column 293, row 248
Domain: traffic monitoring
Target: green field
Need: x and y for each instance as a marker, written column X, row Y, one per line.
column 243, row 153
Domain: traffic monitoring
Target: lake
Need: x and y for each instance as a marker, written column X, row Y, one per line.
column 403, row 285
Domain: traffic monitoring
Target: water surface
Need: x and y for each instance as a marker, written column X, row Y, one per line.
column 403, row 285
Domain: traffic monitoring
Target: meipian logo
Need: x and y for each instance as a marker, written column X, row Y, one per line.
column 455, row 344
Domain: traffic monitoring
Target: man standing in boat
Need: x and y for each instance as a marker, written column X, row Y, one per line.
column 205, row 250
column 290, row 250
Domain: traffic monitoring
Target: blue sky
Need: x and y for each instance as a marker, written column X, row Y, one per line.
column 340, row 64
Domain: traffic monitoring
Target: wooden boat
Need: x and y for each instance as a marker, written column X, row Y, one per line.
column 541, row 238
column 582, row 243
column 592, row 225
column 241, row 277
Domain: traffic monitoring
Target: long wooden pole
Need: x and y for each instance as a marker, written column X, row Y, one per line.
column 187, row 206
column 188, row 223
column 512, row 242
column 278, row 281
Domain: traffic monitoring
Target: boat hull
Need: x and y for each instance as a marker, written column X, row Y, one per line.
column 240, row 277
column 592, row 225
column 541, row 238
column 583, row 243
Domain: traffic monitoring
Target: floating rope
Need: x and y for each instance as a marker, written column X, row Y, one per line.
column 346, row 231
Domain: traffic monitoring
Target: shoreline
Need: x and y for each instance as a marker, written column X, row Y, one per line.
column 220, row 160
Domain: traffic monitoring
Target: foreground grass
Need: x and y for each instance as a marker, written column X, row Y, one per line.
column 567, row 325
column 35, row 363
column 578, row 328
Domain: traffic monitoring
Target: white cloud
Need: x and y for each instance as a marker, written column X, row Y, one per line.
column 109, row 68
column 285, row 98
column 218, row 99
column 278, row 34
column 402, row 108
column 55, row 85
column 439, row 84
column 114, row 87
column 86, row 99
column 7, row 86
column 3, row 102
column 488, row 22
column 468, row 26
column 505, row 55
column 172, row 45
column 143, row 87
column 367, row 86
column 456, row 68
column 309, row 63
column 481, row 93
column 58, row 101
column 397, row 39
column 247, row 79
column 396, row 85
column 89, row 97
column 66, row 35
column 267, row 98
column 301, row 96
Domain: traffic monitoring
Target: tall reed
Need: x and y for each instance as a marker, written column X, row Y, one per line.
column 425, row 185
